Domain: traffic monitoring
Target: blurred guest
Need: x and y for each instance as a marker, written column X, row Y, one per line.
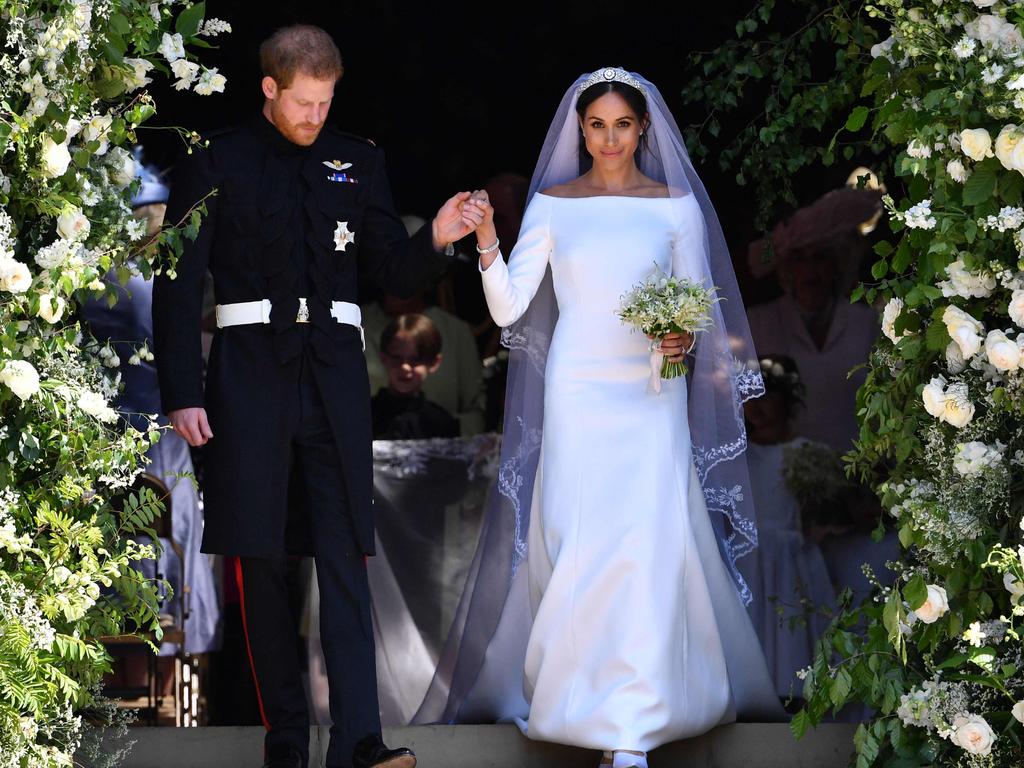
column 457, row 385
column 796, row 592
column 410, row 352
column 817, row 256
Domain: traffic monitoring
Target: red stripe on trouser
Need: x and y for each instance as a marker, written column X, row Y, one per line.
column 248, row 647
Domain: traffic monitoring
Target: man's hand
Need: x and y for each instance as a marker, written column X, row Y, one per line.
column 191, row 424
column 674, row 346
column 449, row 224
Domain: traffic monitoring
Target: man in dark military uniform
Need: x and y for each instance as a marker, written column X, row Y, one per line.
column 301, row 212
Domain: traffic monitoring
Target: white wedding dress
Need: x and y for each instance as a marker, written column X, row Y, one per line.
column 638, row 635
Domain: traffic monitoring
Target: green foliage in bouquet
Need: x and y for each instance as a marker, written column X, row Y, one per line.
column 72, row 96
column 936, row 654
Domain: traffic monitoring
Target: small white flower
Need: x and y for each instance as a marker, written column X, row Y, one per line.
column 186, row 72
column 172, row 47
column 1015, row 587
column 214, row 27
column 975, row 635
column 918, row 149
column 972, row 458
column 883, row 49
column 154, row 11
column 94, row 404
column 1015, row 83
column 21, row 377
column 992, row 73
column 210, row 82
column 957, row 172
column 964, row 48
column 138, row 77
column 920, row 216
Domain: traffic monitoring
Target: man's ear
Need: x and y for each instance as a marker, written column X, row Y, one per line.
column 435, row 365
column 269, row 87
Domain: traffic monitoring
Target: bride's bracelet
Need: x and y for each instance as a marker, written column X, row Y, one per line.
column 489, row 249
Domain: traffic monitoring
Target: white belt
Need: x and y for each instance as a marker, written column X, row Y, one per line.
column 250, row 312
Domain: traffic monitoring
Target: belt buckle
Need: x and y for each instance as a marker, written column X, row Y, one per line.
column 303, row 315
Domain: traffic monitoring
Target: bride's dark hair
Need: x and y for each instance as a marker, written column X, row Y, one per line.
column 634, row 98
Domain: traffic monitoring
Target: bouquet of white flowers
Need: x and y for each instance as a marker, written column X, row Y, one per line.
column 664, row 304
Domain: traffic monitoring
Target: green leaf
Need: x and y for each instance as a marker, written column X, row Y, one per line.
column 120, row 24
column 857, row 119
column 982, row 184
column 800, row 724
column 841, row 686
column 189, row 21
column 915, row 592
column 879, row 269
column 936, row 337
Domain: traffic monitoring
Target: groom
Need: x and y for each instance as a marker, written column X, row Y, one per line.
column 301, row 213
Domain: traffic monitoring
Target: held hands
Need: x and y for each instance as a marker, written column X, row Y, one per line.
column 479, row 209
column 191, row 424
column 462, row 214
column 674, row 346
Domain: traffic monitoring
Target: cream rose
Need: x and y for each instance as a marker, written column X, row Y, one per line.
column 964, row 329
column 51, row 308
column 935, row 605
column 959, row 409
column 98, row 129
column 972, row 733
column 21, row 378
column 934, row 397
column 14, row 276
column 1015, row 587
column 1018, row 711
column 986, row 29
column 1007, row 141
column 976, row 143
column 1016, row 307
column 889, row 315
column 1003, row 353
column 73, row 224
column 121, row 167
column 56, row 158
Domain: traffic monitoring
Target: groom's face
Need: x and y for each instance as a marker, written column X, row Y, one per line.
column 300, row 110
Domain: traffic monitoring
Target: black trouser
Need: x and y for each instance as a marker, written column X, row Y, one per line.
column 346, row 631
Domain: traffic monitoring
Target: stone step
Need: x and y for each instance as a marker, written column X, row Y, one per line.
column 741, row 745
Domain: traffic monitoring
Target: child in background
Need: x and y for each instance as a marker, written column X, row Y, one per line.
column 410, row 351
column 796, row 592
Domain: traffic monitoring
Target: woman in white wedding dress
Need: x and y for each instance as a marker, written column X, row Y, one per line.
column 637, row 634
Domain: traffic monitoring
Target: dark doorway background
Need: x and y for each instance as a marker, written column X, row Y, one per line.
column 455, row 93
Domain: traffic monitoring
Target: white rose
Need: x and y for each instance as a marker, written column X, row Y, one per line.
column 1003, row 353
column 964, row 330
column 51, row 308
column 986, row 29
column 985, row 3
column 1018, row 711
column 1016, row 307
column 1010, row 38
column 1014, row 587
column 172, row 47
column 97, row 130
column 21, row 378
column 14, row 276
column 935, row 605
column 73, row 225
column 976, row 143
column 934, row 397
column 56, row 158
column 956, row 171
column 959, row 409
column 889, row 315
column 122, row 167
column 972, row 733
column 955, row 362
column 1007, row 141
column 94, row 404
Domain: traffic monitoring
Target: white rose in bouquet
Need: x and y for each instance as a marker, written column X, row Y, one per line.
column 935, row 605
column 972, row 733
column 976, row 143
column 1007, row 141
column 98, row 129
column 73, row 224
column 21, row 378
column 56, row 158
column 966, row 284
column 14, row 276
column 1018, row 711
column 1003, row 353
column 51, row 308
column 957, row 172
column 1016, row 307
column 1015, row 587
column 986, row 29
column 934, row 397
column 959, row 409
column 94, row 404
column 985, row 3
column 889, row 315
column 121, row 167
column 964, row 329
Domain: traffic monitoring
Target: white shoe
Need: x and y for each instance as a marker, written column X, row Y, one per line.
column 627, row 760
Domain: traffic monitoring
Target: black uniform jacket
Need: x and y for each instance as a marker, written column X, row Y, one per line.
column 272, row 233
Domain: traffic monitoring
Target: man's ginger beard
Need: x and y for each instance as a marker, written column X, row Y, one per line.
column 291, row 131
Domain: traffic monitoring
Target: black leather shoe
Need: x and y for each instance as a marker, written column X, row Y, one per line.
column 289, row 759
column 371, row 753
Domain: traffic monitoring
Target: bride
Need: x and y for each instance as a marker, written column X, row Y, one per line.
column 612, row 600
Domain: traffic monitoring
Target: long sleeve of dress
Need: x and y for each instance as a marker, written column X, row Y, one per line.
column 509, row 288
column 689, row 248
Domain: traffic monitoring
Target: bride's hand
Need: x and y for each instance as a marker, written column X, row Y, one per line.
column 674, row 346
column 479, row 211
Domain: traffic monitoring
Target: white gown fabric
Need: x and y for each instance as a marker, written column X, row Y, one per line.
column 638, row 635
column 792, row 569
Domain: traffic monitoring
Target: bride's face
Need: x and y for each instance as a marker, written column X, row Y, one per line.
column 612, row 131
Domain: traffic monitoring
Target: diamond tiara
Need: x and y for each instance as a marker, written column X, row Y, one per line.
column 609, row 75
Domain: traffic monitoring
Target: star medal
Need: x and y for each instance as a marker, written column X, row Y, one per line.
column 343, row 236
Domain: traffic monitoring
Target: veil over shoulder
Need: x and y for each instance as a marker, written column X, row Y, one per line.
column 493, row 618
